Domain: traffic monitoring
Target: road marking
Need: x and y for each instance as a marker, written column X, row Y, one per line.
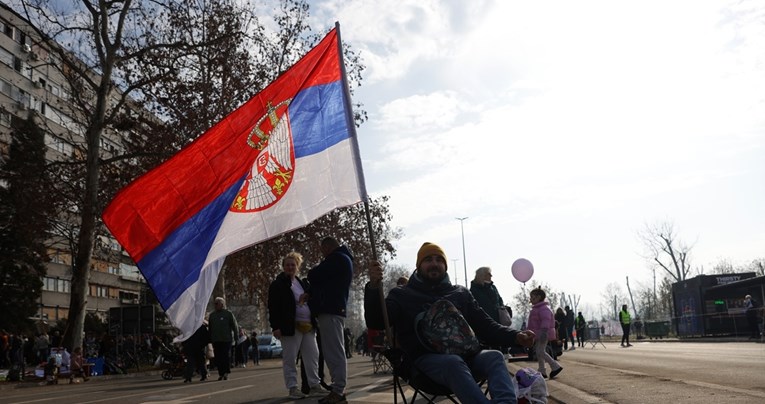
column 178, row 401
column 192, row 398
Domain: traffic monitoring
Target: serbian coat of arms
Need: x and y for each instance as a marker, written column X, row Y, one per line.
column 271, row 173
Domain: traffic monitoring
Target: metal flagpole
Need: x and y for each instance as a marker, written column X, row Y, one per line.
column 362, row 185
column 464, row 260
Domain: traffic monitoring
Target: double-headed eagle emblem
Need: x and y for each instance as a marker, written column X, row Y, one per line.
column 271, row 173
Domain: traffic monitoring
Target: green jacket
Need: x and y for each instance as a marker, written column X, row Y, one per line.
column 624, row 317
column 223, row 326
column 488, row 298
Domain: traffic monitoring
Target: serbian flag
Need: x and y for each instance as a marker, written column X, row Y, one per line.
column 281, row 160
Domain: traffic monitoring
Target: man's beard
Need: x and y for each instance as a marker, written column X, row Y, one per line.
column 432, row 280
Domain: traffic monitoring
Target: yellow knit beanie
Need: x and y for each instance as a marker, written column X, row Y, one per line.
column 429, row 249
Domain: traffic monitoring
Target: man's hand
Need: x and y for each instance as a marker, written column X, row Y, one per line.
column 525, row 338
column 375, row 273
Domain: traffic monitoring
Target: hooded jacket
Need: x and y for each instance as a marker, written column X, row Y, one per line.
column 331, row 282
column 541, row 319
column 405, row 303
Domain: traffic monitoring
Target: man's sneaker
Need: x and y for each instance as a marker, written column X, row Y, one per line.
column 572, row 348
column 317, row 391
column 333, row 398
column 296, row 393
column 555, row 372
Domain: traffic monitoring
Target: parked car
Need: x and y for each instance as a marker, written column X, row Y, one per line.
column 269, row 346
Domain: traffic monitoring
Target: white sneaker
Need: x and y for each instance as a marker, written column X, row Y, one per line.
column 296, row 393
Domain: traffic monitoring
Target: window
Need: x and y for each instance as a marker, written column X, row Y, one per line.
column 8, row 29
column 5, row 118
column 63, row 285
column 58, row 257
column 57, row 285
column 125, row 295
column 58, row 144
column 6, row 56
column 99, row 291
column 54, row 90
column 6, row 88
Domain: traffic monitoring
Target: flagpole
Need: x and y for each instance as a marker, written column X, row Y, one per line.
column 360, row 171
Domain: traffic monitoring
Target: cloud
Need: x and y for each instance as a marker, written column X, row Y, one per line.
column 559, row 130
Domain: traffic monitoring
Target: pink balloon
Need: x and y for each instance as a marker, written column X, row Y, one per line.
column 522, row 270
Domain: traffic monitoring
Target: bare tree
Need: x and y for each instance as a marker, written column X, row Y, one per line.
column 757, row 266
column 611, row 300
column 723, row 266
column 521, row 304
column 665, row 250
column 98, row 46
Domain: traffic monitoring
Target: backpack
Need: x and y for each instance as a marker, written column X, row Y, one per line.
column 442, row 329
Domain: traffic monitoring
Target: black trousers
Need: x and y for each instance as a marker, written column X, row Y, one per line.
column 222, row 352
column 626, row 331
column 195, row 362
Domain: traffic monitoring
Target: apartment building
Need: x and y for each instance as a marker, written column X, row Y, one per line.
column 31, row 84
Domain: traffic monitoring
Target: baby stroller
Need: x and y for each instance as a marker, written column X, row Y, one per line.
column 174, row 362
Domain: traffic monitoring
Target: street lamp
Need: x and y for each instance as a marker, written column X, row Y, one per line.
column 464, row 260
column 454, row 264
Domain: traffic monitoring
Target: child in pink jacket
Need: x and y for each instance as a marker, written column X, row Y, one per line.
column 542, row 322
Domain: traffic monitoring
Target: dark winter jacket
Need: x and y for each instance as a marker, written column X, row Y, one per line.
column 197, row 341
column 404, row 303
column 487, row 296
column 281, row 304
column 569, row 321
column 331, row 282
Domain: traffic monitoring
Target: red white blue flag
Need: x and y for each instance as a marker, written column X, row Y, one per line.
column 281, row 160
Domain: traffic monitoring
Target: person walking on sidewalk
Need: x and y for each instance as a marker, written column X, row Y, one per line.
column 568, row 323
column 626, row 321
column 223, row 329
column 542, row 323
column 581, row 328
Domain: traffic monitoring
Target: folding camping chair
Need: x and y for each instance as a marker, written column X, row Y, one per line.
column 422, row 385
column 593, row 337
column 376, row 344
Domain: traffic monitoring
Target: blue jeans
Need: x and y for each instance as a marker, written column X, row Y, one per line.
column 458, row 374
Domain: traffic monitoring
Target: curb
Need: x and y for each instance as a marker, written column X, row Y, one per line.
column 37, row 382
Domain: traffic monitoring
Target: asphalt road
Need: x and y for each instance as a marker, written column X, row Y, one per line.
column 648, row 372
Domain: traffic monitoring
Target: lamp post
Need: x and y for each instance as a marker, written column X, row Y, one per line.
column 454, row 264
column 462, row 229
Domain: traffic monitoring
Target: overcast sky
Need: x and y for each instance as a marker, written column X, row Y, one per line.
column 561, row 128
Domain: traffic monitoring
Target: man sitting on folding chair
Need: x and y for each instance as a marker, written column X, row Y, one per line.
column 430, row 284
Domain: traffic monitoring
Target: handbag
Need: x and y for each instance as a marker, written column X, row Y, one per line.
column 504, row 317
column 442, row 329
